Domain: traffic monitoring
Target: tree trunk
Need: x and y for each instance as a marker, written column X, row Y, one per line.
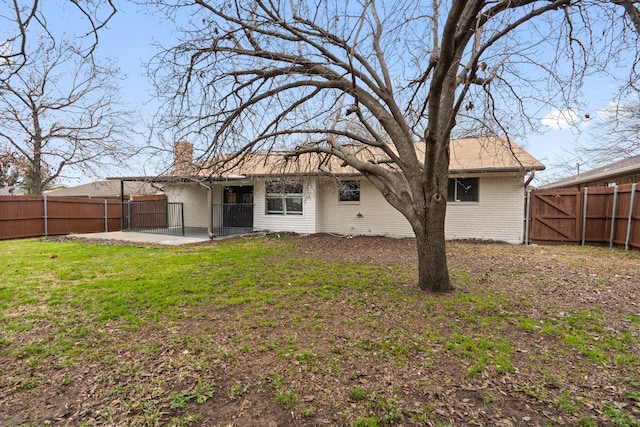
column 36, row 173
column 433, row 273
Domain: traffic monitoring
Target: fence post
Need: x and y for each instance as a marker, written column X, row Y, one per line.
column 182, row 217
column 526, row 219
column 629, row 221
column 46, row 220
column 130, row 224
column 106, row 216
column 584, row 215
column 613, row 215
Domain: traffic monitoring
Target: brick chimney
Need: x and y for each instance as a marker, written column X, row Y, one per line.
column 182, row 157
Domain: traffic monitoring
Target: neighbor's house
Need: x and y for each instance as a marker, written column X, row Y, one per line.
column 625, row 171
column 487, row 180
column 12, row 190
column 109, row 189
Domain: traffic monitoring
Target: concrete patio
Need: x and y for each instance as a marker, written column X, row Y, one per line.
column 149, row 238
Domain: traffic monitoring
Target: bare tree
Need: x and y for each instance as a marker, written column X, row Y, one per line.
column 632, row 10
column 62, row 111
column 23, row 20
column 11, row 169
column 615, row 134
column 58, row 105
column 322, row 76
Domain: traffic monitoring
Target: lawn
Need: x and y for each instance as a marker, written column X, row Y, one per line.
column 316, row 331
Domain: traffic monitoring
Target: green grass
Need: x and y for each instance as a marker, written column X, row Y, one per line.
column 358, row 393
column 200, row 393
column 136, row 284
column 480, row 352
column 150, row 320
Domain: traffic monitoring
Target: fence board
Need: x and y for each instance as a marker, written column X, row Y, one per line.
column 597, row 228
column 555, row 216
column 25, row 216
column 622, row 216
column 634, row 235
column 566, row 215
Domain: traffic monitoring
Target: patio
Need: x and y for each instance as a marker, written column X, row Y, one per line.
column 194, row 235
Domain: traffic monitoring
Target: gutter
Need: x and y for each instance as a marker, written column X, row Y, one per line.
column 528, row 181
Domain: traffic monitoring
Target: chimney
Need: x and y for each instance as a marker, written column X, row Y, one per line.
column 183, row 157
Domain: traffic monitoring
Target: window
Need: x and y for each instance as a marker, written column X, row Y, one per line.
column 284, row 197
column 462, row 190
column 349, row 191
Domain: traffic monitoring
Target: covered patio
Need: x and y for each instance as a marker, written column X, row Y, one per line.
column 222, row 208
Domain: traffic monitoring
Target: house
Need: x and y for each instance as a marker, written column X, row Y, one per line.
column 625, row 171
column 272, row 192
column 109, row 189
column 11, row 190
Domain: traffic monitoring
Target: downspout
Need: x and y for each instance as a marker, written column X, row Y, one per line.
column 122, row 205
column 210, row 209
column 526, row 218
column 528, row 181
column 528, row 206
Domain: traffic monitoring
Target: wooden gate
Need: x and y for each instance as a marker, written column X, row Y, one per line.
column 593, row 215
column 555, row 216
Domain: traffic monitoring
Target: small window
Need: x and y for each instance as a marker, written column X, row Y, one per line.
column 284, row 197
column 462, row 190
column 349, row 191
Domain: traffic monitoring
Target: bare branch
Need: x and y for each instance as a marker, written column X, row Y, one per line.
column 346, row 79
column 62, row 111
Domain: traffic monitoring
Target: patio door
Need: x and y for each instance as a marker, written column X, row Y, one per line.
column 238, row 206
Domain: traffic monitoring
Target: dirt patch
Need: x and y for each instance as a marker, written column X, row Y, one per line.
column 365, row 361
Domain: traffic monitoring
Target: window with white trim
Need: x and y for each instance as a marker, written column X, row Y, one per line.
column 284, row 197
column 463, row 190
column 349, row 191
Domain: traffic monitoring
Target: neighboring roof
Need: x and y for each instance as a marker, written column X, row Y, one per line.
column 11, row 191
column 103, row 189
column 623, row 167
column 468, row 155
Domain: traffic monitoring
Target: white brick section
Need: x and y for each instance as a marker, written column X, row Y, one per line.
column 305, row 223
column 498, row 215
column 373, row 215
column 194, row 199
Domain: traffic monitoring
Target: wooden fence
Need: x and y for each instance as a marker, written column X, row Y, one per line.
column 32, row 216
column 591, row 215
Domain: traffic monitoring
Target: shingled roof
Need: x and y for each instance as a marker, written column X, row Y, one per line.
column 468, row 155
column 598, row 176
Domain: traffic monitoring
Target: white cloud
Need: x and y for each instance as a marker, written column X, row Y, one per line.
column 560, row 119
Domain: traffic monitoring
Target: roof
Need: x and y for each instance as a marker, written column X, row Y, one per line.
column 468, row 155
column 11, row 191
column 103, row 189
column 622, row 167
column 490, row 154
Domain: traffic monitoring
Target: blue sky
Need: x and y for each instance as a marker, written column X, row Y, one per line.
column 131, row 34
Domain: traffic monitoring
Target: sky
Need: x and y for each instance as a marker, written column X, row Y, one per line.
column 129, row 41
